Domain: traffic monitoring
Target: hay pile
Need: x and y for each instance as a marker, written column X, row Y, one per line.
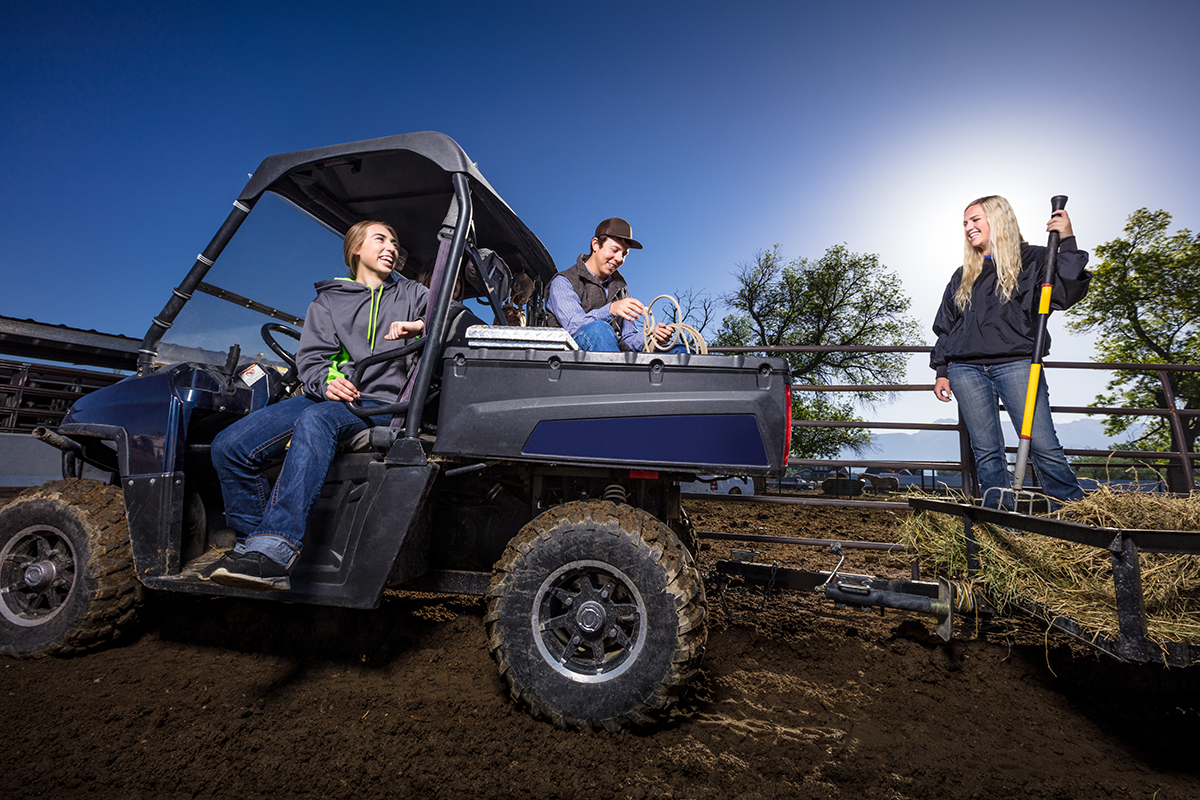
column 1072, row 579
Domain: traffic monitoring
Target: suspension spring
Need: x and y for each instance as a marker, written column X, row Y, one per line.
column 615, row 493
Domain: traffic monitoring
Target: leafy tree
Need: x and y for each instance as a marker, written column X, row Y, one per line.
column 842, row 298
column 824, row 442
column 1144, row 301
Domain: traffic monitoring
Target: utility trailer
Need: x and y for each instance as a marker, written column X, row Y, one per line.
column 541, row 476
column 942, row 598
column 1123, row 546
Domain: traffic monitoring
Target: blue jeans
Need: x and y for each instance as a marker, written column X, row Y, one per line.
column 273, row 520
column 977, row 389
column 598, row 336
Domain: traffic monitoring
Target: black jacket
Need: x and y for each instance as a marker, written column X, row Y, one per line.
column 991, row 332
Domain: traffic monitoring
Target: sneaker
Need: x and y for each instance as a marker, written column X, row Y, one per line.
column 221, row 561
column 252, row 571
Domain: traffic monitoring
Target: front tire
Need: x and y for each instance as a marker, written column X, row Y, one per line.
column 67, row 580
column 596, row 616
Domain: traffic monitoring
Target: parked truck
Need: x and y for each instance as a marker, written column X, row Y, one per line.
column 541, row 476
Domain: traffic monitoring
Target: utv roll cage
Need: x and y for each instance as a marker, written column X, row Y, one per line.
column 422, row 184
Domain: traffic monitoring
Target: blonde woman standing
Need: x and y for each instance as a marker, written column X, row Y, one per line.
column 985, row 330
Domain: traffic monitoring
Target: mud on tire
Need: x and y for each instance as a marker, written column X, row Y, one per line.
column 596, row 616
column 67, row 580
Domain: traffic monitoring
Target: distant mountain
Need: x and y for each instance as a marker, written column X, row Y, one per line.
column 943, row 445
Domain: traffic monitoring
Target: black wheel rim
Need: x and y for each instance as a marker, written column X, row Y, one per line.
column 37, row 575
column 589, row 621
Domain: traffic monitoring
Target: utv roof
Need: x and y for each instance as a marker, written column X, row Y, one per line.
column 405, row 181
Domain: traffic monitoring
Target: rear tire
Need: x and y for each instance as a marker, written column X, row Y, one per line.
column 67, row 580
column 596, row 616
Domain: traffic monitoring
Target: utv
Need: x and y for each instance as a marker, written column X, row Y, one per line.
column 516, row 467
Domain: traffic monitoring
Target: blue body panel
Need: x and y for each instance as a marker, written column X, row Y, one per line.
column 154, row 413
column 701, row 439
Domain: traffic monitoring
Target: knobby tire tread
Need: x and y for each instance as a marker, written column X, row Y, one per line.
column 683, row 580
column 117, row 594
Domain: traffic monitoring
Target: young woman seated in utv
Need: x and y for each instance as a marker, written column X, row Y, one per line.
column 350, row 319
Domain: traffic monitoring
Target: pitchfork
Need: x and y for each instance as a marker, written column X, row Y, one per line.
column 1057, row 203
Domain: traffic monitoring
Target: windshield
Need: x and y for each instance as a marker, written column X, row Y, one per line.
column 265, row 274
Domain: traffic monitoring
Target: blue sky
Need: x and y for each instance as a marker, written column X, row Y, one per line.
column 718, row 129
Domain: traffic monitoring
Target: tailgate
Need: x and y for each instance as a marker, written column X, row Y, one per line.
column 710, row 413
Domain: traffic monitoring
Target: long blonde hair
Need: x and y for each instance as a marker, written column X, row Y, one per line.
column 1006, row 241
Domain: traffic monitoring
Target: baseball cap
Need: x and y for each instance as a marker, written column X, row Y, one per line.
column 615, row 226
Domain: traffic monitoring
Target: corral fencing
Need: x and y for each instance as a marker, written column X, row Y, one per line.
column 1180, row 474
column 33, row 395
column 39, row 395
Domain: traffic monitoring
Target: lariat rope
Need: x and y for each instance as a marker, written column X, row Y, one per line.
column 680, row 332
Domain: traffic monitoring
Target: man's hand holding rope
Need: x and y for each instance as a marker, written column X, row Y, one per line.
column 664, row 337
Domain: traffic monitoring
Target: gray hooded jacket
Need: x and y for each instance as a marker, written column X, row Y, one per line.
column 346, row 323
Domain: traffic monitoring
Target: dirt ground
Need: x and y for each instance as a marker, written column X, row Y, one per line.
column 218, row 698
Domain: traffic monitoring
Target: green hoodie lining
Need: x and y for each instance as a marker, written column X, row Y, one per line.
column 336, row 362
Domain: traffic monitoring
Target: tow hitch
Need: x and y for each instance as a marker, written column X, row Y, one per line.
column 845, row 589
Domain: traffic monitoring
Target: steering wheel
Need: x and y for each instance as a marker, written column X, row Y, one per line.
column 290, row 380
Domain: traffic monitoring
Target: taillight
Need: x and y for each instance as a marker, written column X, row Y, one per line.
column 787, row 437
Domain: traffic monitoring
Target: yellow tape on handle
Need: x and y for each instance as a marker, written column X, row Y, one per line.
column 1044, row 302
column 1035, row 374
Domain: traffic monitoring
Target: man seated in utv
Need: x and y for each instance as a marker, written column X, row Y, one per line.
column 350, row 319
column 591, row 299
